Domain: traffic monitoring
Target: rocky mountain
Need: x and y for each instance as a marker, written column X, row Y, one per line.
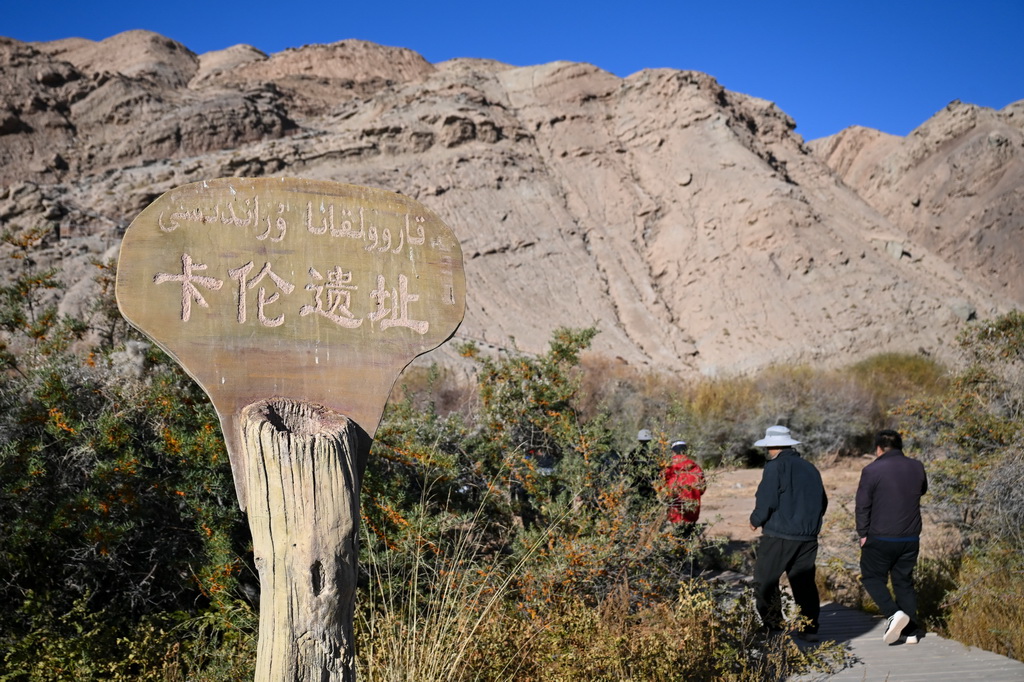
column 689, row 223
column 955, row 185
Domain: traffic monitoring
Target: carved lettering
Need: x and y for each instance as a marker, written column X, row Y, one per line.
column 339, row 290
column 319, row 220
column 189, row 292
column 262, row 300
column 419, row 238
column 372, row 232
column 334, row 290
column 233, row 219
column 171, row 227
column 325, row 223
column 279, row 224
column 332, row 295
column 346, row 225
column 397, row 315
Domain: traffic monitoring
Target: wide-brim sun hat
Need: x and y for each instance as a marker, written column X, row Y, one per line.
column 776, row 437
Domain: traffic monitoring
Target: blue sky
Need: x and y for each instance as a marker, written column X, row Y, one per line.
column 886, row 64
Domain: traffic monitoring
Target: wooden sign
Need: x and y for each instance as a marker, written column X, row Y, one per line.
column 270, row 288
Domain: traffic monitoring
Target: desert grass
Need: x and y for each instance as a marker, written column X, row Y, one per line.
column 430, row 603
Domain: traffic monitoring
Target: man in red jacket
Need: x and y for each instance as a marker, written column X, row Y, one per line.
column 684, row 484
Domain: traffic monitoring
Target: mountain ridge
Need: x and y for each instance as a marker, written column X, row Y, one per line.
column 691, row 224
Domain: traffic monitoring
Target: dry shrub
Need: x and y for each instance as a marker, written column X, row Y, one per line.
column 631, row 397
column 1002, row 500
column 828, row 410
column 722, row 417
column 614, row 642
column 834, row 412
column 701, row 634
column 435, row 389
column 718, row 400
column 892, row 378
column 427, row 607
column 987, row 610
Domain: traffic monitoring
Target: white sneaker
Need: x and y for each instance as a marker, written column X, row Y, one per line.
column 894, row 627
column 910, row 639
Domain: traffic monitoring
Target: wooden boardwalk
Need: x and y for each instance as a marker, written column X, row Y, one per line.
column 933, row 658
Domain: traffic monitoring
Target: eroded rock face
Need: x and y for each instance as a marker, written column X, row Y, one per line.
column 689, row 223
column 75, row 107
column 955, row 185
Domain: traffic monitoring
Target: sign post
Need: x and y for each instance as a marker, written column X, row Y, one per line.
column 295, row 304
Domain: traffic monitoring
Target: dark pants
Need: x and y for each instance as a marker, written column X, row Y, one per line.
column 795, row 558
column 881, row 560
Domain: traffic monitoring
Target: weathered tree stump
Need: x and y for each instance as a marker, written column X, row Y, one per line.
column 304, row 473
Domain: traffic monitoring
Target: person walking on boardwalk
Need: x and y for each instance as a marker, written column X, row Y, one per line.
column 888, row 514
column 789, row 505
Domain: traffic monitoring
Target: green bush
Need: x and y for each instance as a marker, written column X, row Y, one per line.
column 115, row 490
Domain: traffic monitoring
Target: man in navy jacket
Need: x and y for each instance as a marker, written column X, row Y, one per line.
column 790, row 503
column 888, row 513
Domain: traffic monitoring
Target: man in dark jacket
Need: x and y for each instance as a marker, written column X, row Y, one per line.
column 888, row 513
column 790, row 504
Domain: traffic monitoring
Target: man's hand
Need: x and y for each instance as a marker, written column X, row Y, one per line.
column 753, row 527
column 862, row 541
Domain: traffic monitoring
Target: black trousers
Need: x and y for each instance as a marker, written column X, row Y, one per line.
column 795, row 558
column 881, row 560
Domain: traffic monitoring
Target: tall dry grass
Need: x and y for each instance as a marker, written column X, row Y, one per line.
column 432, row 600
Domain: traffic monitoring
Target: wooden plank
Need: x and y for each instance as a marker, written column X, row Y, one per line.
column 933, row 658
